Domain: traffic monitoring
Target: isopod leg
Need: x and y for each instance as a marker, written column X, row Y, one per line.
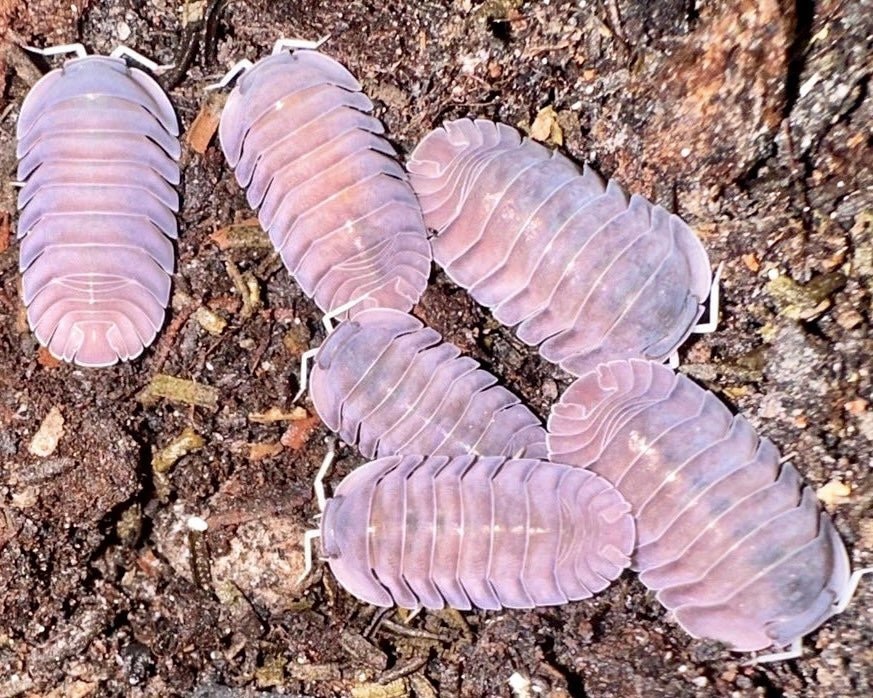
column 291, row 44
column 78, row 49
column 794, row 651
column 673, row 360
column 714, row 295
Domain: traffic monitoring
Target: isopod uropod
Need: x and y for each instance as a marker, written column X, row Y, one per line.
column 728, row 535
column 579, row 270
column 98, row 149
column 470, row 531
column 391, row 386
column 297, row 131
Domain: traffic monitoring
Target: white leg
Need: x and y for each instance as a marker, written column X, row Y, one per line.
column 327, row 320
column 308, row 537
column 793, row 652
column 318, row 483
column 127, row 52
column 673, row 360
column 17, row 184
column 846, row 597
column 78, row 49
column 292, row 44
column 236, row 69
column 714, row 296
column 304, row 372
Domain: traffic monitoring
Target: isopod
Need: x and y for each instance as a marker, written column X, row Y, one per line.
column 338, row 208
column 470, row 531
column 390, row 385
column 727, row 534
column 579, row 270
column 97, row 148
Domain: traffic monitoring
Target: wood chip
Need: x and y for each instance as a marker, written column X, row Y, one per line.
column 751, row 261
column 545, row 127
column 243, row 235
column 182, row 445
column 205, row 123
column 834, row 492
column 298, row 433
column 856, row 407
column 182, row 390
column 395, row 689
column 212, row 322
column 5, row 230
column 274, row 414
column 44, row 358
column 46, row 439
column 262, row 451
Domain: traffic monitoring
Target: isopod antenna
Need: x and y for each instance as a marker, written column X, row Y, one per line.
column 841, row 603
column 326, row 320
column 240, row 67
column 121, row 51
column 711, row 324
column 318, row 488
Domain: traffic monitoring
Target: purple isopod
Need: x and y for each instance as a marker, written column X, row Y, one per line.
column 390, row 385
column 337, row 205
column 729, row 537
column 580, row 270
column 469, row 531
column 98, row 148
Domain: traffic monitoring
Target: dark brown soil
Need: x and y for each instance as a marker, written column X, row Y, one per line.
column 750, row 118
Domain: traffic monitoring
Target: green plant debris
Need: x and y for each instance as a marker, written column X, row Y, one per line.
column 807, row 301
column 248, row 288
column 271, row 673
column 315, row 672
column 182, row 445
column 182, row 390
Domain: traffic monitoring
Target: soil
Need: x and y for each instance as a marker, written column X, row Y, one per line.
column 750, row 118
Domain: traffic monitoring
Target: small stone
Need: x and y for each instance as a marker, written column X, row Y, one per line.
column 849, row 319
column 123, row 31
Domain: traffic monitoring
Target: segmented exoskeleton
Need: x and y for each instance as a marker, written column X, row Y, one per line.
column 727, row 534
column 579, row 270
column 474, row 532
column 390, row 385
column 98, row 149
column 337, row 206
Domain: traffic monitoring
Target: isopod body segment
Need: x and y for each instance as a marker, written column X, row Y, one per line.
column 390, row 385
column 338, row 208
column 97, row 156
column 727, row 534
column 470, row 531
column 579, row 269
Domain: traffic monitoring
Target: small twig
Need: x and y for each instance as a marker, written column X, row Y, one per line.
column 399, row 672
column 406, row 631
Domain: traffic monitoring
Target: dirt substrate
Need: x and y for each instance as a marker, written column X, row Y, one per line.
column 750, row 118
